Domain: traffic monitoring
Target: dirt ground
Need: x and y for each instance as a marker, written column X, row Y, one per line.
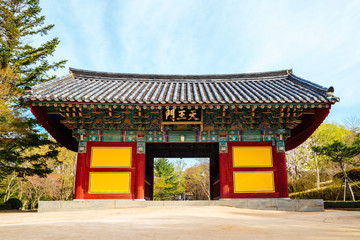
column 209, row 222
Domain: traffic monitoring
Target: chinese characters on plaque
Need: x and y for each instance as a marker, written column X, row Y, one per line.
column 181, row 116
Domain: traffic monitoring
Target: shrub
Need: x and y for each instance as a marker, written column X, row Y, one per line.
column 353, row 174
column 342, row 204
column 4, row 206
column 306, row 181
column 14, row 203
column 326, row 193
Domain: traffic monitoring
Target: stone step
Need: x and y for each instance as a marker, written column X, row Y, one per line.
column 277, row 204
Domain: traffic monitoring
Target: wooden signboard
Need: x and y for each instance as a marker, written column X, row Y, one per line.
column 181, row 116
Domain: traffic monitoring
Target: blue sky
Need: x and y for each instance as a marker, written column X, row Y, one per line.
column 319, row 40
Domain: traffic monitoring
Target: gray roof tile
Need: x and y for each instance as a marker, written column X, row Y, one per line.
column 266, row 88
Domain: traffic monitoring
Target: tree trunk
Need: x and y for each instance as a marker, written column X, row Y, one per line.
column 345, row 189
column 24, row 204
column 351, row 191
column 348, row 185
column 11, row 187
column 342, row 182
column 317, row 174
column 344, row 178
column 20, row 189
column 205, row 190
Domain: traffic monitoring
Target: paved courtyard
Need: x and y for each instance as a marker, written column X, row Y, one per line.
column 211, row 222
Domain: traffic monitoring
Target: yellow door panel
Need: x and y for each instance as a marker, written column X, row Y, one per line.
column 106, row 157
column 110, row 182
column 253, row 182
column 252, row 157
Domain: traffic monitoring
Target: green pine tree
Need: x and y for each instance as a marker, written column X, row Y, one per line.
column 166, row 181
column 20, row 21
column 24, row 150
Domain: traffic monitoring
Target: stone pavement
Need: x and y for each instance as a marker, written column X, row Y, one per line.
column 191, row 222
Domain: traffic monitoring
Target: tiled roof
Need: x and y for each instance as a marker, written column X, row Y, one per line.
column 101, row 87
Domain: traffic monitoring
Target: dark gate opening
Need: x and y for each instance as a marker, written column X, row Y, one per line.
column 183, row 150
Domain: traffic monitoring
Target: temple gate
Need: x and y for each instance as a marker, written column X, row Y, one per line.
column 119, row 122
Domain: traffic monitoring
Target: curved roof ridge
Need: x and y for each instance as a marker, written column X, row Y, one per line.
column 87, row 73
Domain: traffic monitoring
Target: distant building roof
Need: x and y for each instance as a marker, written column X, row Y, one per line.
column 102, row 87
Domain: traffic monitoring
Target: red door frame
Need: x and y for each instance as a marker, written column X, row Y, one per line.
column 280, row 181
column 84, row 169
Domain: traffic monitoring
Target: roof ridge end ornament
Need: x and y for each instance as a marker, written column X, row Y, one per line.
column 330, row 91
column 71, row 73
column 330, row 95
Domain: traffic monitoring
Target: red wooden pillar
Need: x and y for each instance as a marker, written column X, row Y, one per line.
column 80, row 176
column 224, row 175
column 282, row 175
column 140, row 176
